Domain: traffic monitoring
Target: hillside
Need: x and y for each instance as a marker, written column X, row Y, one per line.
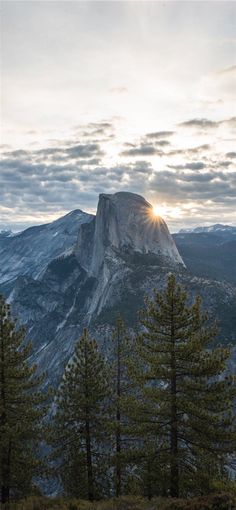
column 83, row 270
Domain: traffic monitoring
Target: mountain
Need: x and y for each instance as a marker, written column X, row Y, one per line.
column 125, row 223
column 219, row 229
column 5, row 233
column 209, row 251
column 101, row 266
column 29, row 252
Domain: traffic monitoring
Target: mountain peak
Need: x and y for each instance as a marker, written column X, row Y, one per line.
column 123, row 195
column 216, row 228
column 125, row 221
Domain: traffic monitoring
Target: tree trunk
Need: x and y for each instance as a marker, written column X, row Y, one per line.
column 149, row 481
column 88, row 436
column 89, row 463
column 5, row 493
column 118, row 435
column 174, row 467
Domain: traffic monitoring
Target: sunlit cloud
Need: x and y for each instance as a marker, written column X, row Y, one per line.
column 143, row 104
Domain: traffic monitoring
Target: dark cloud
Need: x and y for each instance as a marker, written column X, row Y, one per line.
column 224, row 163
column 96, row 129
column 87, row 153
column 69, row 173
column 189, row 152
column 210, row 185
column 100, row 125
column 207, row 123
column 201, row 176
column 84, row 151
column 29, row 185
column 148, row 145
column 91, row 126
column 199, row 165
column 17, row 154
column 39, row 185
column 162, row 143
column 142, row 167
column 160, row 134
column 128, row 144
column 199, row 123
column 142, row 150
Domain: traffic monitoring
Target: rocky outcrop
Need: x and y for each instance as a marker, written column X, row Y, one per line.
column 82, row 270
column 29, row 252
column 125, row 223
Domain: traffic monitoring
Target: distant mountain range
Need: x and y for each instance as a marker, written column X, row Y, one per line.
column 30, row 251
column 218, row 228
column 209, row 251
column 81, row 270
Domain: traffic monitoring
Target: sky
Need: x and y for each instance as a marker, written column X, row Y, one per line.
column 100, row 97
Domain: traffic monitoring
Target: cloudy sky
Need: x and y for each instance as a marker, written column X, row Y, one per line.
column 114, row 96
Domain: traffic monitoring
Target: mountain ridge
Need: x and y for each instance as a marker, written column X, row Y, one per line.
column 215, row 228
column 72, row 290
column 28, row 252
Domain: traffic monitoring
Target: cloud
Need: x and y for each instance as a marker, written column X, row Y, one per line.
column 224, row 163
column 58, row 153
column 199, row 123
column 28, row 185
column 148, row 145
column 98, row 129
column 160, row 134
column 84, row 151
column 142, row 150
column 70, row 173
column 207, row 123
column 195, row 186
column 189, row 166
column 199, row 165
column 100, row 125
column 231, row 155
column 190, row 151
column 38, row 185
column 162, row 143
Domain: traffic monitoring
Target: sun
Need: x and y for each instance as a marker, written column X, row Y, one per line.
column 158, row 210
column 165, row 211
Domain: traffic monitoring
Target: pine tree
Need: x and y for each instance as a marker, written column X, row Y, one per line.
column 183, row 400
column 21, row 410
column 121, row 351
column 81, row 421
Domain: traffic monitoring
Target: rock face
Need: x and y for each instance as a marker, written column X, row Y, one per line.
column 82, row 270
column 29, row 252
column 211, row 254
column 124, row 227
column 125, row 223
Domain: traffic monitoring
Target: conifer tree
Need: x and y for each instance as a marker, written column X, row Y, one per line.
column 183, row 400
column 121, row 351
column 21, row 410
column 81, row 421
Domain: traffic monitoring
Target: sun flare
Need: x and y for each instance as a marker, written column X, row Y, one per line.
column 156, row 211
column 159, row 210
column 165, row 211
